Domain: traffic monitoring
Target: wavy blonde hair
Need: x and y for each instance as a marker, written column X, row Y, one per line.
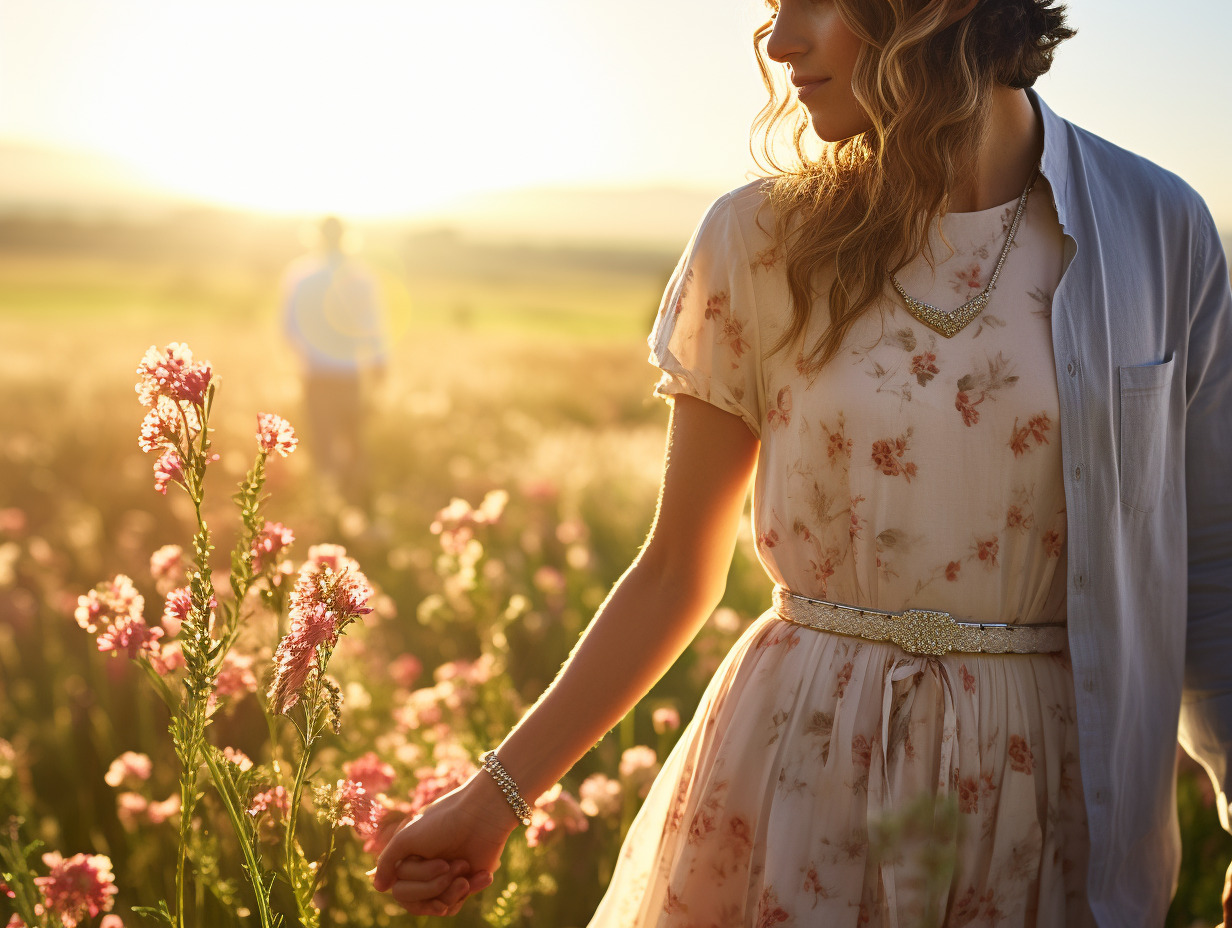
column 864, row 207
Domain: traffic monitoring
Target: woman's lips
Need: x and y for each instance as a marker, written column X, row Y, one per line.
column 803, row 90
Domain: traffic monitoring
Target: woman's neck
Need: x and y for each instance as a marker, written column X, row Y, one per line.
column 1010, row 150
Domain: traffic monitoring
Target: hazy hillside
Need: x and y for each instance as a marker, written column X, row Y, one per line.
column 50, row 182
column 46, row 193
column 38, row 178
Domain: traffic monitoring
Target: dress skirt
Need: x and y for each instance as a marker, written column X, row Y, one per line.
column 828, row 780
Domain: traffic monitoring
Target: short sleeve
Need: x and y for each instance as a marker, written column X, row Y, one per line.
column 706, row 338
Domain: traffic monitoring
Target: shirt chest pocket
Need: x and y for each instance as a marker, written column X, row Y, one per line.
column 1146, row 390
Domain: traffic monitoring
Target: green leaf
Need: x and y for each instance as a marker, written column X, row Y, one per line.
column 302, row 883
column 160, row 914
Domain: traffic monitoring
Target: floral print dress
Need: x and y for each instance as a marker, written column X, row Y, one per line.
column 829, row 780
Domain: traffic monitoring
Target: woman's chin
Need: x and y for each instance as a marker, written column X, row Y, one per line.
column 832, row 130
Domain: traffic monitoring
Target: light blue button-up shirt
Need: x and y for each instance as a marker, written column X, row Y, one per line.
column 332, row 315
column 1142, row 336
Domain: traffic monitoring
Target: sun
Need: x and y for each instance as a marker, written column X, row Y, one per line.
column 291, row 107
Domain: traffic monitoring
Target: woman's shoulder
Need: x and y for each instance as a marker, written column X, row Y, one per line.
column 743, row 219
column 1117, row 178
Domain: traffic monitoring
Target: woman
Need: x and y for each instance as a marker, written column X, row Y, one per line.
column 977, row 359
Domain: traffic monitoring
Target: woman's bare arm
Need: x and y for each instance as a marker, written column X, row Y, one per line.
column 657, row 606
column 651, row 615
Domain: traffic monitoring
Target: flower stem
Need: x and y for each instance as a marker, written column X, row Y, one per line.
column 312, row 710
column 297, row 790
column 192, row 733
column 179, row 864
column 251, row 863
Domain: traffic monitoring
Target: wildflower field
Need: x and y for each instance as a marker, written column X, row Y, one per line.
column 213, row 698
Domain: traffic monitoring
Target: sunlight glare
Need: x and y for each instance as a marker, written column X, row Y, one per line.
column 393, row 107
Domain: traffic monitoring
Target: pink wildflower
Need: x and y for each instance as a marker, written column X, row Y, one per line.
column 492, row 506
column 357, row 808
column 555, row 812
column 109, row 602
column 322, row 602
column 422, row 709
column 134, row 810
column 15, row 921
column 600, row 795
column 167, row 469
column 638, row 766
column 167, row 659
column 160, row 428
column 113, row 610
column 405, row 670
column 459, row 512
column 235, row 677
column 131, row 809
column 455, row 540
column 133, row 637
column 275, row 435
column 332, row 556
column 159, row 812
column 276, row 798
column 111, row 921
column 369, row 770
column 665, row 719
column 344, row 592
column 129, row 766
column 173, row 374
column 168, row 425
column 157, row 430
column 269, row 543
column 455, row 522
column 167, row 566
column 239, row 758
column 473, row 673
column 435, row 782
column 176, row 608
column 78, row 888
column 293, row 662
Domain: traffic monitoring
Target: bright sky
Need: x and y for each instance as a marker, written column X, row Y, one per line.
column 387, row 106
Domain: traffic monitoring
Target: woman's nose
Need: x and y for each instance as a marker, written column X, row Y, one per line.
column 786, row 39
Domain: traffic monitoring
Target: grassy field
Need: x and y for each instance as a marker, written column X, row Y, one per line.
column 513, row 368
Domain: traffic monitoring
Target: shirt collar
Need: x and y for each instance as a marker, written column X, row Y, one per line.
column 1054, row 164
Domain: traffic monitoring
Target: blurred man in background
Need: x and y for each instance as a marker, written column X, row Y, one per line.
column 334, row 321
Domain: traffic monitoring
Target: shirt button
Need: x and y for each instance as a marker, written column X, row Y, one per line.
column 1077, row 471
column 1101, row 795
column 1080, row 580
column 1072, row 367
column 1088, row 684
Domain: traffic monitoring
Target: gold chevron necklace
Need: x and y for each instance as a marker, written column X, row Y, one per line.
column 951, row 323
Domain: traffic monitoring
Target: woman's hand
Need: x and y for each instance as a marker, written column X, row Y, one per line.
column 448, row 851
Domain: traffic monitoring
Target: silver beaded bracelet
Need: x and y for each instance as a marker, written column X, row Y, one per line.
column 520, row 807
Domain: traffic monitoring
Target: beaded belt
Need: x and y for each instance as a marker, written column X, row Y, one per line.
column 920, row 631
